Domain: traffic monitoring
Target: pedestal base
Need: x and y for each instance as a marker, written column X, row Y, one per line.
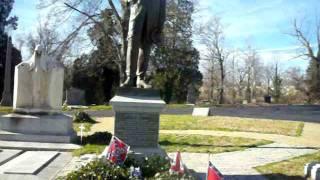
column 147, row 152
column 37, row 128
column 137, row 114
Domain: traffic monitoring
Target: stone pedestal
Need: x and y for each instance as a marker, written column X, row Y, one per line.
column 137, row 119
column 55, row 128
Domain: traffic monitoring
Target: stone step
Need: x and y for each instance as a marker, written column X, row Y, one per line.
column 7, row 155
column 36, row 146
column 10, row 136
column 29, row 163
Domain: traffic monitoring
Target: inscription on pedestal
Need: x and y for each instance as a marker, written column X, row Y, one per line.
column 138, row 129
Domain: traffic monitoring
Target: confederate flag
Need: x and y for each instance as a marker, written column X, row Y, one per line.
column 213, row 173
column 177, row 167
column 118, row 150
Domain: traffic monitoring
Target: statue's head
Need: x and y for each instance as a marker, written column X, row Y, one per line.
column 38, row 50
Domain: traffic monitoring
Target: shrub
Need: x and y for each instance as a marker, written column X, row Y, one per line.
column 169, row 176
column 149, row 166
column 152, row 168
column 97, row 170
column 83, row 117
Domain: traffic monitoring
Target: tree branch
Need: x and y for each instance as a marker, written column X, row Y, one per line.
column 303, row 40
column 115, row 11
column 89, row 17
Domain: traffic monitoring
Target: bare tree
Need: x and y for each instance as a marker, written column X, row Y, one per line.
column 268, row 75
column 310, row 49
column 253, row 66
column 88, row 13
column 212, row 37
column 241, row 74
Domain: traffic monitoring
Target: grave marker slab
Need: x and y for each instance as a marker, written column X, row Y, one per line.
column 29, row 163
column 7, row 155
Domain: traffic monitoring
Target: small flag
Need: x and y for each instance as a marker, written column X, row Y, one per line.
column 135, row 172
column 213, row 173
column 118, row 151
column 177, row 167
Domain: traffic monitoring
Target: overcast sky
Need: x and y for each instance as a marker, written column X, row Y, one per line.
column 262, row 23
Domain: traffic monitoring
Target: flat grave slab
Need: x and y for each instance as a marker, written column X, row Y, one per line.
column 201, row 112
column 7, row 155
column 29, row 163
column 36, row 146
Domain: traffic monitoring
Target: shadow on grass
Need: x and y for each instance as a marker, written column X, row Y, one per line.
column 305, row 113
column 168, row 143
column 282, row 177
column 98, row 138
column 255, row 177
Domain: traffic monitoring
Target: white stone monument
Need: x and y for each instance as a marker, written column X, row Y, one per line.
column 38, row 84
column 37, row 103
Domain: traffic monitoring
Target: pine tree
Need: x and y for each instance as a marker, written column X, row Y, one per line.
column 175, row 62
column 277, row 85
column 313, row 74
column 5, row 20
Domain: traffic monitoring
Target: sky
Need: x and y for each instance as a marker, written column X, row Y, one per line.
column 263, row 24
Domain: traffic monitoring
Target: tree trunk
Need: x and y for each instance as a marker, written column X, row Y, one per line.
column 221, row 94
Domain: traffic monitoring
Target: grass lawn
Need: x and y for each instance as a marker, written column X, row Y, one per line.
column 207, row 144
column 99, row 108
column 5, row 109
column 89, row 149
column 190, row 143
column 105, row 107
column 288, row 169
column 188, row 122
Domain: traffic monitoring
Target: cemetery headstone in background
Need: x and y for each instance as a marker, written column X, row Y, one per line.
column 201, row 112
column 75, row 96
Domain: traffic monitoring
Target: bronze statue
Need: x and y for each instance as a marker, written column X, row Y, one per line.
column 145, row 26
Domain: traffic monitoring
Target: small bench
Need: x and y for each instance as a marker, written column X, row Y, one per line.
column 312, row 170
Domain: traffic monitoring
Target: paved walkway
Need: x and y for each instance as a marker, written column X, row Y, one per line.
column 240, row 164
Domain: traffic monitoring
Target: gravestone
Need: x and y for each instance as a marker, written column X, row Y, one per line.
column 75, row 96
column 201, row 112
column 245, row 102
column 137, row 119
column 37, row 103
